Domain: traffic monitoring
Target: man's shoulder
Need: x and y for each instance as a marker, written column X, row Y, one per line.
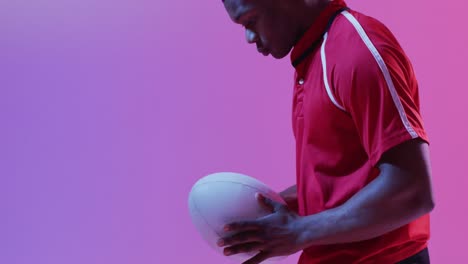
column 349, row 23
column 354, row 39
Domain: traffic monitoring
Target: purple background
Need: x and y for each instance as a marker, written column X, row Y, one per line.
column 111, row 110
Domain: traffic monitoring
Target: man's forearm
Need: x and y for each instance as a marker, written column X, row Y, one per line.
column 380, row 207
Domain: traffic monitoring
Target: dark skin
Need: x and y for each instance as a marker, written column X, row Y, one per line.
column 404, row 179
column 274, row 25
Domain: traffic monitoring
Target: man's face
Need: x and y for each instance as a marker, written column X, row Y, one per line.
column 266, row 24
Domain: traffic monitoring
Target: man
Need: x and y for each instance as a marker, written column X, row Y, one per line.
column 363, row 190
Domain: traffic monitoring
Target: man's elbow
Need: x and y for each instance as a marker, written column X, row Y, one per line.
column 423, row 201
column 429, row 205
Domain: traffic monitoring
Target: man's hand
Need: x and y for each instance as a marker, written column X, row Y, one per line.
column 273, row 235
column 290, row 197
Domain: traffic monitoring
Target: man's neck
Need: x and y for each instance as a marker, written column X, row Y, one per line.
column 308, row 13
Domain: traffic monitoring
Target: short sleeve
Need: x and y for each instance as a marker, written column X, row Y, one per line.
column 378, row 88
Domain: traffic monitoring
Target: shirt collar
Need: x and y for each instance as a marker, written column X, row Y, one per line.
column 315, row 32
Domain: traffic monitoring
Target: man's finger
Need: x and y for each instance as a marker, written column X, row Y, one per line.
column 243, row 248
column 262, row 256
column 268, row 203
column 243, row 226
column 240, row 238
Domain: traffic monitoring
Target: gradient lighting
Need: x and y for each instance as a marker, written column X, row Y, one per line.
column 111, row 110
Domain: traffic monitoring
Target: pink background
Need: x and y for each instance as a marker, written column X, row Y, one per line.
column 111, row 110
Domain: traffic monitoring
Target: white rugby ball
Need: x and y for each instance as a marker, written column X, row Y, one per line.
column 221, row 198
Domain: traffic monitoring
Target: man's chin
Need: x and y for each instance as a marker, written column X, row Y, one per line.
column 279, row 54
column 276, row 56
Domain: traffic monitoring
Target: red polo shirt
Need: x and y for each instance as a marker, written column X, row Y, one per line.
column 355, row 97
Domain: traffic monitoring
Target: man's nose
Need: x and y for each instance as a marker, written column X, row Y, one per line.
column 251, row 36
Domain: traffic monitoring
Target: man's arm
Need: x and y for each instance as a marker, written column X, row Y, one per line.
column 401, row 193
